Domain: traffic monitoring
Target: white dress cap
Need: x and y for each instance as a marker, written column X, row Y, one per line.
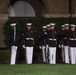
column 66, row 24
column 28, row 24
column 13, row 24
column 63, row 26
column 44, row 27
column 72, row 25
column 48, row 25
column 52, row 24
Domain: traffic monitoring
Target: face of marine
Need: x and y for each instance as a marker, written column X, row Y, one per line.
column 72, row 28
column 52, row 27
column 62, row 28
column 13, row 27
column 67, row 28
column 48, row 28
column 29, row 27
column 44, row 29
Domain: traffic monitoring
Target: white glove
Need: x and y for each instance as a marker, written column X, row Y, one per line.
column 40, row 47
column 47, row 46
column 59, row 46
column 23, row 46
column 14, row 47
column 62, row 46
column 43, row 46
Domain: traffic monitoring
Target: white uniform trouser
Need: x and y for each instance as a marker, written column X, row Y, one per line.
column 66, row 54
column 47, row 54
column 13, row 55
column 29, row 55
column 52, row 55
column 44, row 53
column 73, row 55
column 63, row 54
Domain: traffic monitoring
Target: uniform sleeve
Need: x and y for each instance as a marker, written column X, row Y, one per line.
column 23, row 38
column 39, row 39
column 58, row 36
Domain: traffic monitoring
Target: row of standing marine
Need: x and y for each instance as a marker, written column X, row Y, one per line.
column 65, row 39
column 48, row 43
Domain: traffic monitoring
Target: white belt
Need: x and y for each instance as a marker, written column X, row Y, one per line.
column 52, row 39
column 29, row 39
column 72, row 39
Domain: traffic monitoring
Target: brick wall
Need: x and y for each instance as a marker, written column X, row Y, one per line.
column 58, row 6
column 53, row 6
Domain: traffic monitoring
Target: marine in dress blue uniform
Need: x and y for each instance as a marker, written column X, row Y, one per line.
column 72, row 44
column 13, row 35
column 66, row 44
column 52, row 42
column 61, row 41
column 28, row 35
column 43, row 40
